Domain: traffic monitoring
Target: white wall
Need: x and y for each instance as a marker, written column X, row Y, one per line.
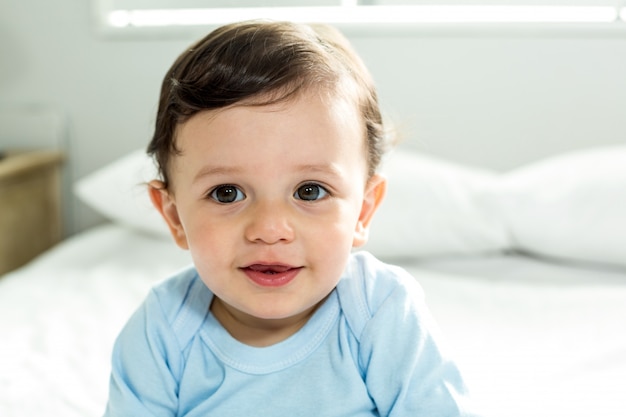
column 51, row 54
column 495, row 98
column 504, row 99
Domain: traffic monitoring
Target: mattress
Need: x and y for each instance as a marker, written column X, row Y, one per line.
column 533, row 337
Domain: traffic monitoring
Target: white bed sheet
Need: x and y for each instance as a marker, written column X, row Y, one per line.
column 533, row 338
column 60, row 314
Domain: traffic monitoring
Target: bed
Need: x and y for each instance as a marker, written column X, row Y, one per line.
column 525, row 271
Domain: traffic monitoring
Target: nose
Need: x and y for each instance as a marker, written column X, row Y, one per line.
column 269, row 223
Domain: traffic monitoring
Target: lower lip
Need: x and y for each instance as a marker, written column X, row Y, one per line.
column 271, row 280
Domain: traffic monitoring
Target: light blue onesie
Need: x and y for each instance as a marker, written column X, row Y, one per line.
column 368, row 350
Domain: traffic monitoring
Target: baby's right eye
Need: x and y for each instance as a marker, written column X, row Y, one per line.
column 226, row 194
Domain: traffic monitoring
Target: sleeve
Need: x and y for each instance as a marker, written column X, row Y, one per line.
column 145, row 359
column 406, row 371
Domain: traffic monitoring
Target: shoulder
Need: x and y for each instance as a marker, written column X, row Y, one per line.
column 150, row 346
column 399, row 351
column 176, row 291
column 178, row 305
column 376, row 280
column 368, row 285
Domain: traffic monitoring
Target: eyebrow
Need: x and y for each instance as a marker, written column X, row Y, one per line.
column 208, row 171
column 215, row 170
column 324, row 168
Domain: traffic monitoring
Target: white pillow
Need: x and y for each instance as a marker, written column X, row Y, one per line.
column 431, row 208
column 571, row 206
column 118, row 191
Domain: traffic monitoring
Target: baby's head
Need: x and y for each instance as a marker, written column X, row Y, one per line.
column 259, row 63
column 268, row 138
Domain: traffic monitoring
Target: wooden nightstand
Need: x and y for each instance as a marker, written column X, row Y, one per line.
column 30, row 205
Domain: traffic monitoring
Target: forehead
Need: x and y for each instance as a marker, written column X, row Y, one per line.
column 310, row 127
column 338, row 115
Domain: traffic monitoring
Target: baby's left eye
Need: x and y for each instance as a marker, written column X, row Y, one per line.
column 310, row 192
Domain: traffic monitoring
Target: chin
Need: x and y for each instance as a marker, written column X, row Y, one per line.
column 276, row 312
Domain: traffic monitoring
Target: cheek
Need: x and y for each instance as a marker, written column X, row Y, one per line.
column 207, row 238
column 336, row 232
column 328, row 252
column 213, row 251
column 215, row 236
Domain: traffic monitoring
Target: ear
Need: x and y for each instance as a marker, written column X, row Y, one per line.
column 164, row 202
column 374, row 194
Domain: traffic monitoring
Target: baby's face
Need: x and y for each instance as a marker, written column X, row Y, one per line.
column 270, row 200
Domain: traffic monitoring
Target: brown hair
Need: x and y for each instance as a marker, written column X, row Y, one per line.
column 262, row 63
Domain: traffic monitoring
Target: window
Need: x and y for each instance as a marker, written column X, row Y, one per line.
column 138, row 15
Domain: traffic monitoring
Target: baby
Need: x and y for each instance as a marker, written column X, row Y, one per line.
column 268, row 139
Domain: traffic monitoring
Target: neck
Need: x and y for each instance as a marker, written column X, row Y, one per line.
column 255, row 331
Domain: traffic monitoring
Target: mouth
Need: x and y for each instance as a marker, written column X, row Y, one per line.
column 271, row 275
